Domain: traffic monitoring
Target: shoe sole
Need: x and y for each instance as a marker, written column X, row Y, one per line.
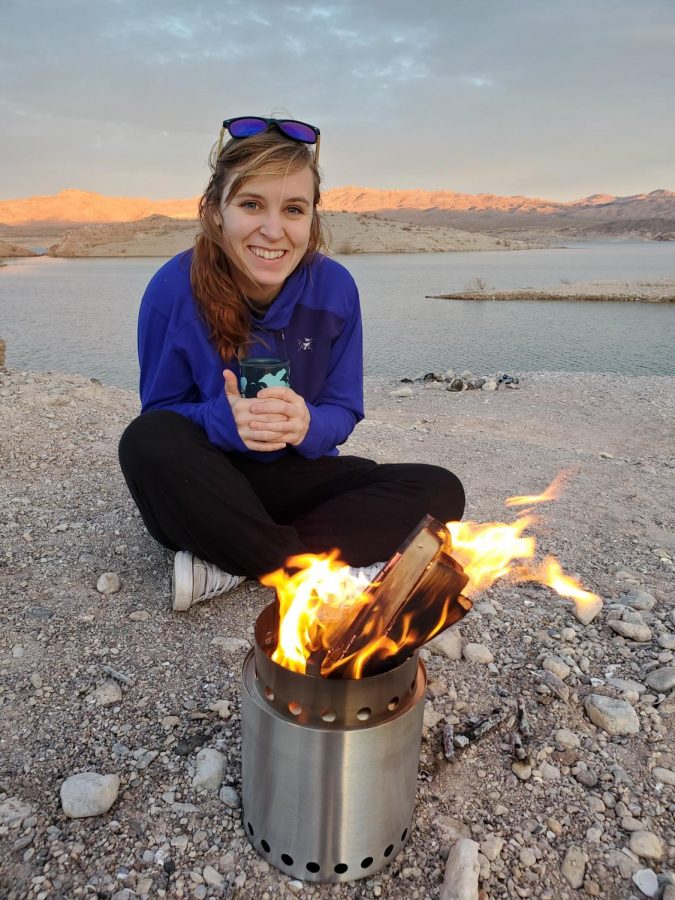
column 182, row 582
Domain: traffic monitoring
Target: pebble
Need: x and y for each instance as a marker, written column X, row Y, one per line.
column 108, row 693
column 491, row 847
column 627, row 685
column 556, row 685
column 489, row 385
column 646, row 881
column 230, row 797
column 210, row 772
column 662, row 680
column 613, row 716
column 139, row 615
column 568, row 634
column 646, row 844
column 222, row 707
column 549, row 772
column 88, row 794
column 212, row 876
column 231, row 646
column 574, row 867
column 13, row 811
column 401, row 392
column 667, row 776
column 587, row 610
column 109, row 583
column 18, row 651
column 567, row 739
column 637, row 599
column 632, row 630
column 478, row 653
column 667, row 641
column 557, row 666
column 522, row 769
column 460, row 881
column 449, row 644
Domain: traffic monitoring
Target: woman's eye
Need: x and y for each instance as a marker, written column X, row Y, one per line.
column 249, row 204
column 295, row 210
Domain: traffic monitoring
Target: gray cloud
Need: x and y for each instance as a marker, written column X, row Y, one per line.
column 504, row 96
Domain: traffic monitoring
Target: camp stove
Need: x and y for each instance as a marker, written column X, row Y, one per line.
column 329, row 765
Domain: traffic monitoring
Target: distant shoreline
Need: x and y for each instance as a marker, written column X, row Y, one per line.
column 660, row 291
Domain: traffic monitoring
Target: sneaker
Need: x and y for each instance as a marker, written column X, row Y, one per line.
column 195, row 581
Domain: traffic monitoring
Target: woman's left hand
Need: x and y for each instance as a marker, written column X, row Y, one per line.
column 275, row 401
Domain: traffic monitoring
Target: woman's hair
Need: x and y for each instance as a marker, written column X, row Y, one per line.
column 221, row 302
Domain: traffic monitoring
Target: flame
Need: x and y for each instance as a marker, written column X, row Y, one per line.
column 319, row 597
column 552, row 492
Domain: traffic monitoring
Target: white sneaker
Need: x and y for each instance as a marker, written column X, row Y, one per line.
column 195, row 581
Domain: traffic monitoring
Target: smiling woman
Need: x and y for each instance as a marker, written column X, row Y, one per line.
column 236, row 485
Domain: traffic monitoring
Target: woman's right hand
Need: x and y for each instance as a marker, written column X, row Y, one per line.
column 254, row 439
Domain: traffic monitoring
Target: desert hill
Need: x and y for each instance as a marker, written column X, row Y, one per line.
column 74, row 207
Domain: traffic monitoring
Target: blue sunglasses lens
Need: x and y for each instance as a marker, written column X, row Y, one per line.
column 298, row 131
column 243, row 128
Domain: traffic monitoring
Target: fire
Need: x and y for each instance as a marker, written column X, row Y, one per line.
column 319, row 598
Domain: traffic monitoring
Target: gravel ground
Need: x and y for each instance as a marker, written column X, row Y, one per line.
column 118, row 684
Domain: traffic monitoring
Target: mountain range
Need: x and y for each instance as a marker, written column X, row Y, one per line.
column 648, row 215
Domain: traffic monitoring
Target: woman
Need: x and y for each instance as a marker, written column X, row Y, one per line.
column 234, row 485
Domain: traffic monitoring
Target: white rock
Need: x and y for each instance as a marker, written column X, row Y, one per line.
column 109, row 583
column 231, row 646
column 549, row 772
column 627, row 685
column 646, row 844
column 574, row 867
column 449, row 644
column 646, row 881
column 18, row 651
column 557, row 666
column 13, row 811
column 431, row 717
column 667, row 641
column 527, row 857
column 222, row 707
column 477, row 653
column 637, row 599
column 662, row 680
column 402, row 392
column 139, row 615
column 212, row 876
column 210, row 770
column 88, row 794
column 634, row 631
column 667, row 776
column 490, row 385
column 230, row 797
column 108, row 693
column 613, row 716
column 491, row 847
column 567, row 739
column 568, row 634
column 587, row 610
column 461, row 872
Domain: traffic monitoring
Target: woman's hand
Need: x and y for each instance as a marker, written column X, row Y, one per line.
column 256, row 431
column 280, row 412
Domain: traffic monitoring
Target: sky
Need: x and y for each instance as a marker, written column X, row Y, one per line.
column 543, row 98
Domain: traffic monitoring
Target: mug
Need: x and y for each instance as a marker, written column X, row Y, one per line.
column 260, row 372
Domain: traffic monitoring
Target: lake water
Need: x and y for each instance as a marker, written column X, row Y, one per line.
column 80, row 315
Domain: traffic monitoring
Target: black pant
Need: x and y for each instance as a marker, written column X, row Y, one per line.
column 248, row 517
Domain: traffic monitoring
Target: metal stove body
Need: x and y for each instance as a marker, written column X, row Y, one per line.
column 329, row 766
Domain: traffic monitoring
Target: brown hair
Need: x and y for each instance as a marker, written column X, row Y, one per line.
column 221, row 302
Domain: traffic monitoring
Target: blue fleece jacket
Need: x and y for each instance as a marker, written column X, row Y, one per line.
column 315, row 322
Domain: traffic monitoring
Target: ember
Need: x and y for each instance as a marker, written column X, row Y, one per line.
column 335, row 625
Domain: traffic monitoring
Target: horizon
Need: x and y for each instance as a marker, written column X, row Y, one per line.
column 512, row 99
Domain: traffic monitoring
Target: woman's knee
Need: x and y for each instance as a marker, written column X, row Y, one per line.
column 443, row 492
column 153, row 440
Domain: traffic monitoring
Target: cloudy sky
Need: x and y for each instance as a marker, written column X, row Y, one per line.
column 536, row 97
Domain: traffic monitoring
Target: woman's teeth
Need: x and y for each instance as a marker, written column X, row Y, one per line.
column 267, row 254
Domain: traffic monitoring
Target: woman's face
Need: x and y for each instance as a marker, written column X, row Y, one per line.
column 266, row 228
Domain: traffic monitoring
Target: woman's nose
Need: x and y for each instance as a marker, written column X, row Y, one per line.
column 271, row 227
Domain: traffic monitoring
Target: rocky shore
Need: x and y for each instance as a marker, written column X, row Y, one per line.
column 98, row 676
column 657, row 291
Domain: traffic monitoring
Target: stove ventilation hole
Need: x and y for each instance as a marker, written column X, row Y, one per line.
column 363, row 714
column 313, row 867
column 328, row 715
column 389, row 850
column 393, row 703
column 368, row 861
column 405, row 834
column 294, row 708
column 250, row 829
column 288, row 860
column 265, row 846
column 341, row 868
column 269, row 693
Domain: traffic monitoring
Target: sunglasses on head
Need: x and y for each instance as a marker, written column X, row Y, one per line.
column 247, row 126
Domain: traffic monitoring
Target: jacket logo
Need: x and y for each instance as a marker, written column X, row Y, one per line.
column 305, row 343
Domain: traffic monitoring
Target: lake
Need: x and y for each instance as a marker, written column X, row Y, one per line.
column 79, row 315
